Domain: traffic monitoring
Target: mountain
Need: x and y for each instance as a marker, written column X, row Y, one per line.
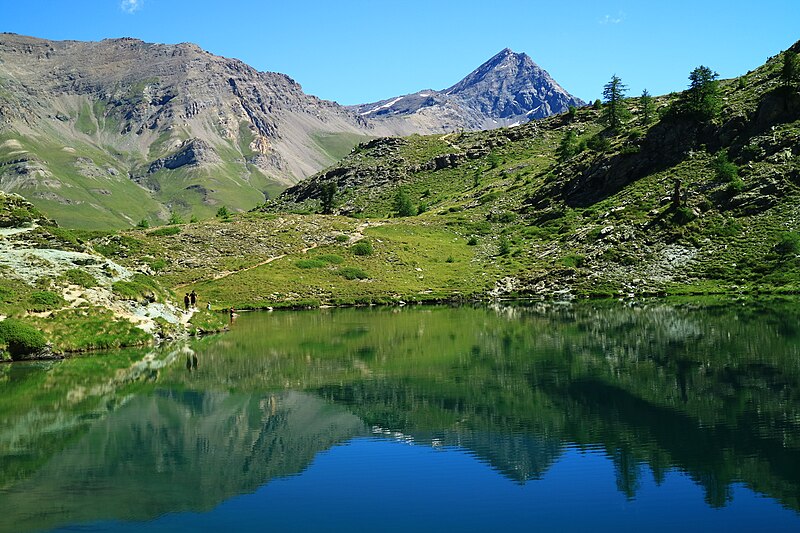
column 507, row 90
column 566, row 205
column 106, row 134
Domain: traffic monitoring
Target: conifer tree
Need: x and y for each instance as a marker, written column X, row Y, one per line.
column 790, row 74
column 328, row 194
column 402, row 204
column 568, row 146
column 648, row 107
column 613, row 94
column 703, row 99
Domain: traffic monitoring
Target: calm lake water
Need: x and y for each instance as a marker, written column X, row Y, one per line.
column 601, row 417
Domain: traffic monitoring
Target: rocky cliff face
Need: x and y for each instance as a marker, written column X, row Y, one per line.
column 508, row 89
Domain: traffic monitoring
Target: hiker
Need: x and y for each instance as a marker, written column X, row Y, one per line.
column 186, row 301
column 208, row 306
column 193, row 298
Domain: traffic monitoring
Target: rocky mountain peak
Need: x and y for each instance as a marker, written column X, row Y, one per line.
column 508, row 89
column 505, row 64
column 511, row 85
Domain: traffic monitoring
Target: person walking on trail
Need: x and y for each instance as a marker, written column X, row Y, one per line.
column 186, row 301
column 193, row 298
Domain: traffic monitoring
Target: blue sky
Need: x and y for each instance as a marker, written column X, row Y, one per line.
column 363, row 51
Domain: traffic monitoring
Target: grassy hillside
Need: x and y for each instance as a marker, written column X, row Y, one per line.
column 57, row 294
column 85, row 184
column 566, row 206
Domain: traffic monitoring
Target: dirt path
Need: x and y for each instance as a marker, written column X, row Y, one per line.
column 446, row 138
column 267, row 261
column 358, row 233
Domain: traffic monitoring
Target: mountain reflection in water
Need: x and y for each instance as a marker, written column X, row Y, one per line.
column 708, row 391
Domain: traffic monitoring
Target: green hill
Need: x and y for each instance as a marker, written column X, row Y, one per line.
column 702, row 199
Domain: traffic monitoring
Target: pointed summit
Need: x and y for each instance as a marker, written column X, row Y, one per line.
column 513, row 86
column 508, row 89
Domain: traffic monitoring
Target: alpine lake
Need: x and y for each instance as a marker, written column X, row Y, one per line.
column 587, row 416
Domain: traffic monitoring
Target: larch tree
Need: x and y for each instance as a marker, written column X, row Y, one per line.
column 790, row 73
column 613, row 95
column 703, row 100
column 648, row 108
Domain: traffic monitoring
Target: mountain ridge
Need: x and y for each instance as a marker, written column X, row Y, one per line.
column 104, row 126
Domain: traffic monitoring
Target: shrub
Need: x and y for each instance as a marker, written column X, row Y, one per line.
column 63, row 234
column 629, row 149
column 598, row 143
column 573, row 260
column 342, row 238
column 683, row 215
column 635, row 133
column 572, row 111
column 788, row 243
column 223, row 213
column 362, row 247
column 80, row 277
column 166, row 231
column 157, row 264
column 20, row 338
column 139, row 288
column 45, row 300
column 504, row 247
column 724, row 169
column 736, row 185
column 143, row 224
column 352, row 273
column 7, row 294
column 472, row 241
column 309, row 263
column 505, row 217
column 175, row 218
column 486, row 198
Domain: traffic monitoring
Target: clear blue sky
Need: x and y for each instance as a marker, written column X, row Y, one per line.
column 354, row 51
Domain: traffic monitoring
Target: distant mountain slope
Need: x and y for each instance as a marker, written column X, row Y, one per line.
column 508, row 89
column 123, row 130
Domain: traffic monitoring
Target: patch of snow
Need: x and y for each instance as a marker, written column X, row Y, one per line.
column 384, row 106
